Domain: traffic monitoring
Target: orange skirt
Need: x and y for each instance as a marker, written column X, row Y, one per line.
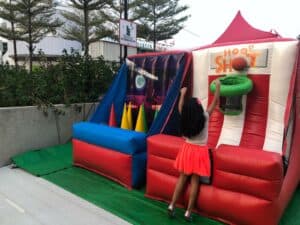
column 193, row 159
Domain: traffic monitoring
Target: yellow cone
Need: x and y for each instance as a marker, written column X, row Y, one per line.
column 124, row 122
column 141, row 122
column 129, row 116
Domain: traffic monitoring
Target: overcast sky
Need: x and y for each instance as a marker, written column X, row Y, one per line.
column 210, row 18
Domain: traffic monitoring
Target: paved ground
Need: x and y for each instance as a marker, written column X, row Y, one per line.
column 29, row 200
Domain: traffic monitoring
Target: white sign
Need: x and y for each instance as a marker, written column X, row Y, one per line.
column 127, row 33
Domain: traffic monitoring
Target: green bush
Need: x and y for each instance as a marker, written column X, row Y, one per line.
column 72, row 79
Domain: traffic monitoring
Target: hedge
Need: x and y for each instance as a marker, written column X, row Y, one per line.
column 72, row 79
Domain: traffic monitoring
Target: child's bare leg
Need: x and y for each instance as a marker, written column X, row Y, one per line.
column 178, row 189
column 193, row 194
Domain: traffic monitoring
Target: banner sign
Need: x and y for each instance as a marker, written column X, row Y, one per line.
column 127, row 33
column 256, row 57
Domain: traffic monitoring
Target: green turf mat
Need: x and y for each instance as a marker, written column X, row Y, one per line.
column 55, row 165
column 132, row 206
column 44, row 161
column 291, row 215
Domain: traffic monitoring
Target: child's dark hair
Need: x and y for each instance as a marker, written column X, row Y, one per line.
column 192, row 118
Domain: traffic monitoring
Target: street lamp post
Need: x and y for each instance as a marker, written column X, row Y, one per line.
column 125, row 17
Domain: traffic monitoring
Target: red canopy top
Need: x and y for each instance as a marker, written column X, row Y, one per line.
column 241, row 30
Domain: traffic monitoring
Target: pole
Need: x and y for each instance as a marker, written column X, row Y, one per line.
column 125, row 17
column 121, row 55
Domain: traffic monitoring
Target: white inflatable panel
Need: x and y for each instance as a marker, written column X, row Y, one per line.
column 200, row 78
column 283, row 60
column 232, row 129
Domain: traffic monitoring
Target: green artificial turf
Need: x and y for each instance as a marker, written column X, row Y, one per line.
column 55, row 165
column 44, row 161
column 131, row 205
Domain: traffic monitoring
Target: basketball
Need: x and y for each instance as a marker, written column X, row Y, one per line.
column 239, row 63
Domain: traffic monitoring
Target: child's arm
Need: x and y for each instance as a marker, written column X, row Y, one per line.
column 212, row 106
column 181, row 98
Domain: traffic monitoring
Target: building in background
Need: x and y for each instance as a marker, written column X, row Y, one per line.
column 51, row 46
column 111, row 51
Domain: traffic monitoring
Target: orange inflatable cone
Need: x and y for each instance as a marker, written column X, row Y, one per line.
column 141, row 122
column 112, row 117
column 124, row 122
column 129, row 116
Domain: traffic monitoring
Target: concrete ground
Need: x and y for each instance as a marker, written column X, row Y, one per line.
column 30, row 200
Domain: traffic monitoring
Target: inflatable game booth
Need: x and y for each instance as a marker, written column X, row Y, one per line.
column 254, row 135
column 138, row 104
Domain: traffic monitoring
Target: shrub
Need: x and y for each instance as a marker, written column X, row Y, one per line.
column 72, row 79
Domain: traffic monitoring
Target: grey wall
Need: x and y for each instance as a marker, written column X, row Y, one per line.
column 27, row 128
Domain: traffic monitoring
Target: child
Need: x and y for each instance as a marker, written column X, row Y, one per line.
column 193, row 158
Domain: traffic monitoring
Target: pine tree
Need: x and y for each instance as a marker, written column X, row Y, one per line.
column 160, row 19
column 86, row 24
column 8, row 13
column 35, row 20
column 112, row 15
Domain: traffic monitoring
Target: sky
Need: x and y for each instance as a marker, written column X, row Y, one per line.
column 209, row 19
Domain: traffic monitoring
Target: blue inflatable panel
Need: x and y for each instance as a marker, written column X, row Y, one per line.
column 139, row 162
column 125, row 141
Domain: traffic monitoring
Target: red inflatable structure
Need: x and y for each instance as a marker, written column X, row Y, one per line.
column 256, row 155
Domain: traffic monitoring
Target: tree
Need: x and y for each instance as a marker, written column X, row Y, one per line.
column 8, row 13
column 86, row 24
column 160, row 19
column 112, row 15
column 34, row 21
